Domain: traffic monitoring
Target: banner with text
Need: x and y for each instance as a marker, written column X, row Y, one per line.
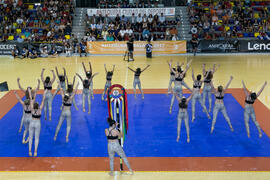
column 7, row 48
column 120, row 47
column 130, row 11
column 254, row 46
column 218, row 46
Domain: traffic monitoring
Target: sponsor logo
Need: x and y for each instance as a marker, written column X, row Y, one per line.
column 7, row 46
column 223, row 46
column 258, row 46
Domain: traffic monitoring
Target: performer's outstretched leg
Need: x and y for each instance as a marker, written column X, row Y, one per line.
column 253, row 117
column 187, row 126
column 224, row 112
column 215, row 113
column 68, row 116
column 61, row 119
column 246, row 117
column 37, row 133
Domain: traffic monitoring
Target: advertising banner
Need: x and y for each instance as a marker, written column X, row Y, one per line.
column 7, row 48
column 120, row 47
column 129, row 11
column 218, row 46
column 254, row 46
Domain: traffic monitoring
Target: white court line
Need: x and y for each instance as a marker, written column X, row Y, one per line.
column 126, row 79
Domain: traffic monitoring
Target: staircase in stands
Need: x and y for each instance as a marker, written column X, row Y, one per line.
column 184, row 27
column 78, row 24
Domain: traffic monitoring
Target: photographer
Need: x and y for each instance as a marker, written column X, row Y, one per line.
column 130, row 47
column 148, row 48
column 194, row 43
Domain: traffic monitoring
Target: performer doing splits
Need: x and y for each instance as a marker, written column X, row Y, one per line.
column 34, row 127
column 137, row 81
column 172, row 75
column 179, row 81
column 113, row 144
column 182, row 114
column 62, row 79
column 219, row 104
column 86, row 91
column 197, row 84
column 249, row 109
column 109, row 75
column 207, row 88
column 48, row 96
column 89, row 74
column 66, row 113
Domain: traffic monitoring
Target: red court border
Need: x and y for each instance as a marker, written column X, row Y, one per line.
column 141, row 163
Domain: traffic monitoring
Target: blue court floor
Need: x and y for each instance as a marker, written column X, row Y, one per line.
column 152, row 132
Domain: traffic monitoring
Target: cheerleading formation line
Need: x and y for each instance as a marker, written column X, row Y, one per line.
column 32, row 109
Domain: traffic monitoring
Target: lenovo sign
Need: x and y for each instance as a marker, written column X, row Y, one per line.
column 254, row 46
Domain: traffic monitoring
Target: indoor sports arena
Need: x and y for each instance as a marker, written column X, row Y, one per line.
column 134, row 89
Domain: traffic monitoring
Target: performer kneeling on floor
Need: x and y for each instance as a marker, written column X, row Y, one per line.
column 113, row 135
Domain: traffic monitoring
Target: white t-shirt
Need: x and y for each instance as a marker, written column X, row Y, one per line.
column 19, row 21
column 129, row 32
column 133, row 19
column 150, row 19
column 139, row 19
column 93, row 26
column 161, row 19
column 122, row 32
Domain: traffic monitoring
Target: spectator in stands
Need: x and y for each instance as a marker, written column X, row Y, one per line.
column 173, row 31
column 33, row 53
column 116, row 34
column 104, row 34
column 206, row 26
column 167, row 34
column 20, row 39
column 133, row 21
column 207, row 36
column 117, row 19
column 162, row 19
column 44, row 51
column 175, row 38
column 150, row 21
column 129, row 31
column 93, row 20
column 215, row 20
column 15, row 53
column 100, row 19
column 145, row 34
column 110, row 37
column 194, row 30
column 106, row 19
column 53, row 52
column 124, row 19
column 122, row 33
column 139, row 20
column 144, row 19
